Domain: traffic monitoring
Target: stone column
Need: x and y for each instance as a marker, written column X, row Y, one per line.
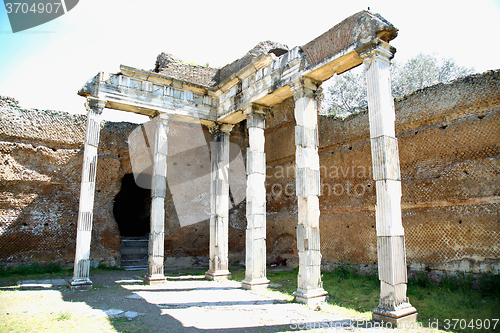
column 393, row 306
column 81, row 280
column 310, row 288
column 255, row 261
column 158, row 193
column 219, row 203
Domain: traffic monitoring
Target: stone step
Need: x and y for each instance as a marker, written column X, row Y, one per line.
column 135, row 242
column 134, row 250
column 133, row 262
column 134, row 256
column 136, row 268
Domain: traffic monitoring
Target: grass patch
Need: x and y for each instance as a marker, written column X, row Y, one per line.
column 355, row 296
column 33, row 269
column 102, row 267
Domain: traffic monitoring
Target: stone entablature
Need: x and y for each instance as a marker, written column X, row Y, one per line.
column 265, row 80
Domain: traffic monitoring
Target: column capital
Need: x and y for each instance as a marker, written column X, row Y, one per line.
column 377, row 49
column 95, row 105
column 162, row 117
column 256, row 120
column 304, row 87
column 220, row 127
column 257, row 109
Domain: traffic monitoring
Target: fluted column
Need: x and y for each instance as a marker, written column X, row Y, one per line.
column 394, row 305
column 158, row 193
column 81, row 279
column 219, row 203
column 310, row 288
column 255, row 261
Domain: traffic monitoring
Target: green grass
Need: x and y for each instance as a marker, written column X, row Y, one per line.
column 31, row 270
column 354, row 296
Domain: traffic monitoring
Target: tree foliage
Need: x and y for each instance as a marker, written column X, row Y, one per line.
column 347, row 94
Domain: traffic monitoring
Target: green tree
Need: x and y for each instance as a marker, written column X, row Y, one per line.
column 347, row 94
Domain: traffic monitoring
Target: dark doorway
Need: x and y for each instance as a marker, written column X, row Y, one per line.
column 132, row 208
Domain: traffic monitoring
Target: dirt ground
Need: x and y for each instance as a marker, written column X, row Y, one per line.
column 120, row 302
column 182, row 304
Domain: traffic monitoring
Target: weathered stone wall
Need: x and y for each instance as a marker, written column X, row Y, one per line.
column 449, row 155
column 41, row 154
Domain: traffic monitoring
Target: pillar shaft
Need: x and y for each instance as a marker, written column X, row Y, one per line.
column 158, row 193
column 394, row 305
column 81, row 279
column 219, row 203
column 255, row 261
column 310, row 288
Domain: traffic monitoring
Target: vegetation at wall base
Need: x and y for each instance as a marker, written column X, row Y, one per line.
column 33, row 269
column 354, row 295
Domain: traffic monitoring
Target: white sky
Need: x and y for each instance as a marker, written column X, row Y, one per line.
column 45, row 66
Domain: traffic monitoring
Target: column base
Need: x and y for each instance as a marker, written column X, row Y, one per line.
column 80, row 284
column 218, row 275
column 155, row 279
column 395, row 317
column 260, row 283
column 311, row 297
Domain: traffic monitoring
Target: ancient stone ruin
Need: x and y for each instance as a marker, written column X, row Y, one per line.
column 413, row 181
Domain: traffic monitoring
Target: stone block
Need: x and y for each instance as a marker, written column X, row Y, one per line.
column 220, row 186
column 391, row 259
column 306, row 158
column 256, row 140
column 80, row 284
column 307, row 238
column 306, row 137
column 160, row 165
column 399, row 318
column 87, row 196
column 309, row 258
column 307, row 182
column 388, row 208
column 255, row 208
column 157, row 213
column 306, row 111
column 255, row 283
column 312, row 297
column 256, row 162
column 256, row 221
column 258, row 233
column 222, row 205
column 255, row 120
column 308, row 211
column 83, row 238
column 159, row 186
column 385, row 158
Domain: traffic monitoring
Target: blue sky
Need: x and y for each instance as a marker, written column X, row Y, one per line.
column 44, row 67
